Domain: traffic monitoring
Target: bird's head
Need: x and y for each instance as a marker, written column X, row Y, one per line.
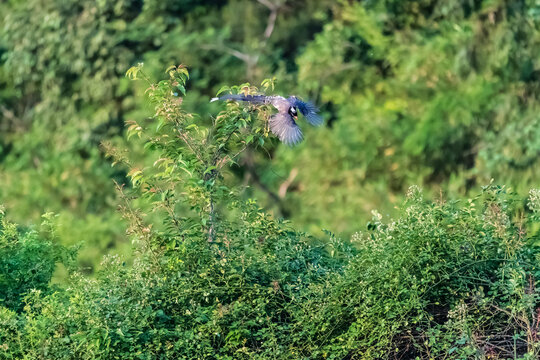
column 293, row 112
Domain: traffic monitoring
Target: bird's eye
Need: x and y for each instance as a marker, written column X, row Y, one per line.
column 293, row 111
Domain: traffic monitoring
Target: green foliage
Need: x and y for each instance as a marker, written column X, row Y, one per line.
column 190, row 155
column 64, row 65
column 441, row 93
column 437, row 93
column 451, row 279
column 201, row 286
column 447, row 279
column 27, row 261
column 64, row 93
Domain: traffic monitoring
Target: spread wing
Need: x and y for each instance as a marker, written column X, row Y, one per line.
column 310, row 111
column 257, row 99
column 285, row 128
column 281, row 124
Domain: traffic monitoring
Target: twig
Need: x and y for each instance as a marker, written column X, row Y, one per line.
column 285, row 185
column 251, row 60
column 188, row 143
column 274, row 8
column 270, row 5
column 212, row 230
column 220, row 150
column 137, row 223
column 237, row 54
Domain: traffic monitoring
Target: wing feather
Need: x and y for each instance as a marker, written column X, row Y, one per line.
column 282, row 124
column 310, row 111
column 257, row 99
column 286, row 129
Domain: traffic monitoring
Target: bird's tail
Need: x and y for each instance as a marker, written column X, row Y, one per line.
column 259, row 99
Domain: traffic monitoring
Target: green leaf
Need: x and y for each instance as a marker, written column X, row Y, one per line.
column 170, row 68
column 183, row 70
column 209, row 169
column 160, row 124
column 181, row 88
column 223, row 89
column 148, row 145
column 133, row 71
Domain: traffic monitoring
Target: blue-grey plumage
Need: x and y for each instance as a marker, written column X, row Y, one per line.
column 283, row 124
column 285, row 128
column 309, row 110
column 260, row 99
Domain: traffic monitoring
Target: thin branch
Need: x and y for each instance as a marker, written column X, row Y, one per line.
column 238, row 152
column 169, row 208
column 220, row 150
column 263, row 187
column 287, row 183
column 251, row 60
column 188, row 143
column 212, row 229
column 136, row 223
column 248, row 59
column 248, row 162
column 270, row 5
column 271, row 18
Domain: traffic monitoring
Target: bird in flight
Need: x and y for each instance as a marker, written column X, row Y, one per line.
column 283, row 123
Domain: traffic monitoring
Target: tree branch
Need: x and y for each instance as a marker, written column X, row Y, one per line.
column 285, row 185
column 212, row 213
column 248, row 59
column 250, row 167
column 188, row 143
column 270, row 5
column 274, row 8
column 251, row 60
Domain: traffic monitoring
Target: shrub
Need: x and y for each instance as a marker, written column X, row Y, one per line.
column 447, row 279
column 27, row 261
column 204, row 284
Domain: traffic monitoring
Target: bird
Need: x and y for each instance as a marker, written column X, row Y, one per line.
column 283, row 123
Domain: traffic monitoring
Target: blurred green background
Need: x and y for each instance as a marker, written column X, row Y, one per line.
column 440, row 93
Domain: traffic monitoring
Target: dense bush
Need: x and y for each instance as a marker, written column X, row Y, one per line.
column 447, row 279
column 444, row 280
column 27, row 261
